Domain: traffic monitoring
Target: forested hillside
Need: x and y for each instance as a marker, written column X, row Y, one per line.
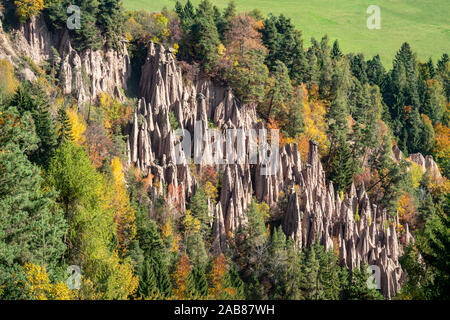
column 424, row 22
column 89, row 177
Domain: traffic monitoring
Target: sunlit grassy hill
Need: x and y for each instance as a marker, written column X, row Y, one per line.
column 425, row 24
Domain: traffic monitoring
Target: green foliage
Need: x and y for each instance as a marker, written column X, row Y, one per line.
column 92, row 241
column 280, row 93
column 33, row 99
column 111, row 20
column 286, row 45
column 248, row 76
column 174, row 125
column 204, row 36
column 65, row 127
column 357, row 286
column 199, row 208
column 32, row 225
column 197, row 286
column 101, row 20
column 342, row 167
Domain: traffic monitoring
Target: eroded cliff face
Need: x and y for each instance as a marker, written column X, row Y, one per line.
column 82, row 74
column 360, row 231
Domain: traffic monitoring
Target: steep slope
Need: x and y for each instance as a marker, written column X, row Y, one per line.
column 314, row 212
column 82, row 74
column 361, row 231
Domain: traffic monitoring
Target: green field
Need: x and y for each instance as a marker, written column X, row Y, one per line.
column 425, row 24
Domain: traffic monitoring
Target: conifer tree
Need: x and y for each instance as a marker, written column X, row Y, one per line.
column 309, row 283
column 329, row 274
column 88, row 36
column 358, row 288
column 199, row 208
column 279, row 94
column 375, row 71
column 342, row 166
column 359, row 67
column 204, row 36
column 65, row 128
column 34, row 100
column 336, row 51
column 197, row 283
column 111, row 19
column 32, row 226
column 233, row 280
column 147, row 280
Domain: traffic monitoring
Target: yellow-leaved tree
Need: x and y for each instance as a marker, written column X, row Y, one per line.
column 27, row 9
column 114, row 112
column 124, row 214
column 8, row 83
column 36, row 285
column 315, row 125
column 78, row 126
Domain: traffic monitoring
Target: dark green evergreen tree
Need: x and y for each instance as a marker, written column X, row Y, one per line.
column 147, row 280
column 197, row 283
column 233, row 280
column 110, row 19
column 88, row 36
column 357, row 286
column 33, row 99
column 375, row 71
column 359, row 67
column 336, row 52
column 65, row 128
column 204, row 36
column 32, row 225
column 342, row 166
column 309, row 283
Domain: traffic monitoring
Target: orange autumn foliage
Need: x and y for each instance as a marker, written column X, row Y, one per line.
column 218, row 272
column 180, row 277
column 407, row 211
column 442, row 141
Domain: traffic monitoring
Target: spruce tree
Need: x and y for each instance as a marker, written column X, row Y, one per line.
column 147, row 281
column 199, row 208
column 33, row 99
column 336, row 51
column 309, row 283
column 88, row 36
column 359, row 67
column 111, row 20
column 280, row 93
column 233, row 280
column 375, row 71
column 329, row 274
column 65, row 128
column 32, row 226
column 357, row 287
column 197, row 283
column 443, row 74
column 204, row 36
column 342, row 166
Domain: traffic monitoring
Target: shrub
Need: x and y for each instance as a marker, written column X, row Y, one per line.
column 27, row 9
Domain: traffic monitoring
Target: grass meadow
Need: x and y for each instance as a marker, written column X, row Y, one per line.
column 425, row 24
